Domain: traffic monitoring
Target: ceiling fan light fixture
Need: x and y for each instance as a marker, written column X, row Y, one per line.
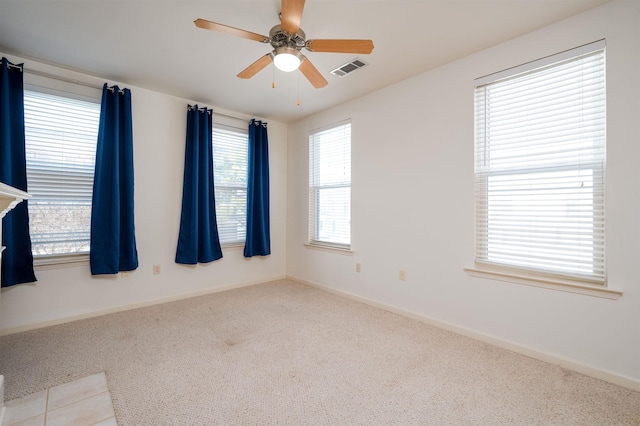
column 287, row 59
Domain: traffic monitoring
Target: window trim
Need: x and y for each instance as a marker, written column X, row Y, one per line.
column 320, row 244
column 240, row 130
column 531, row 277
column 63, row 89
column 548, row 282
column 328, row 248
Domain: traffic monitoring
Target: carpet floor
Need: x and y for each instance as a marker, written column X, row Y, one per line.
column 289, row 354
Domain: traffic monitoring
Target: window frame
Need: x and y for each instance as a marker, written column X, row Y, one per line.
column 218, row 187
column 72, row 91
column 484, row 268
column 314, row 192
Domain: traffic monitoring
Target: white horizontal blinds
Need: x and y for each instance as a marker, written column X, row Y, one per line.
column 330, row 186
column 60, row 137
column 539, row 169
column 230, row 160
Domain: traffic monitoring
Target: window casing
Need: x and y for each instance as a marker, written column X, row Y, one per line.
column 540, row 167
column 230, row 162
column 330, row 186
column 60, row 143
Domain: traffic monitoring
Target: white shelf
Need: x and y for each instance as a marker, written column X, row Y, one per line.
column 9, row 198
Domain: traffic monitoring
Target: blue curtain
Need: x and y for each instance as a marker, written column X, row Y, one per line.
column 258, row 241
column 198, row 241
column 113, row 240
column 17, row 259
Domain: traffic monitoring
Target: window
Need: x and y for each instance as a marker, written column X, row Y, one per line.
column 330, row 186
column 230, row 151
column 60, row 139
column 540, row 167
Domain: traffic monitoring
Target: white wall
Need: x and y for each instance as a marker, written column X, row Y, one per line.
column 159, row 128
column 412, row 209
column 412, row 204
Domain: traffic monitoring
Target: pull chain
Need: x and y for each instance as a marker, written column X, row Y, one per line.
column 298, row 86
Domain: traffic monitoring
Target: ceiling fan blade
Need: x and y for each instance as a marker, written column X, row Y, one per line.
column 256, row 67
column 340, row 46
column 291, row 15
column 313, row 75
column 214, row 26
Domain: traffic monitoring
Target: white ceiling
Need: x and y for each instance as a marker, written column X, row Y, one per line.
column 155, row 45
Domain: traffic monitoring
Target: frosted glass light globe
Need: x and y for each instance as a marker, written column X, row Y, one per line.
column 287, row 59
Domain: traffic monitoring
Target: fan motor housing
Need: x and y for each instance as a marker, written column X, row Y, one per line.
column 280, row 38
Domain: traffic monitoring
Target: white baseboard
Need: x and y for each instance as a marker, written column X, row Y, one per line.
column 524, row 350
column 42, row 324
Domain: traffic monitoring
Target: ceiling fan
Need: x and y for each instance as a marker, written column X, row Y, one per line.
column 287, row 40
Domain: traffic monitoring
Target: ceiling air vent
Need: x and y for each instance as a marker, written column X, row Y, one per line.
column 348, row 68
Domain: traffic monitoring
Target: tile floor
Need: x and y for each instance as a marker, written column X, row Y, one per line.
column 84, row 402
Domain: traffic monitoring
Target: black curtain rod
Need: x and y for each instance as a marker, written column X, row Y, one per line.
column 18, row 67
column 93, row 86
column 231, row 116
column 202, row 109
column 218, row 114
column 111, row 89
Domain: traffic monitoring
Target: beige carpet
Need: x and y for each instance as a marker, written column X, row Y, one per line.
column 284, row 353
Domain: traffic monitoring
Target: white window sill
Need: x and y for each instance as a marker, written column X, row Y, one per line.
column 550, row 283
column 338, row 250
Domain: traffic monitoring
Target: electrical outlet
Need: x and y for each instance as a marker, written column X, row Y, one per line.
column 124, row 274
column 357, row 267
column 403, row 275
column 156, row 269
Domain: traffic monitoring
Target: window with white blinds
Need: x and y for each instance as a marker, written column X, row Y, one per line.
column 540, row 133
column 60, row 139
column 330, row 186
column 230, row 160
